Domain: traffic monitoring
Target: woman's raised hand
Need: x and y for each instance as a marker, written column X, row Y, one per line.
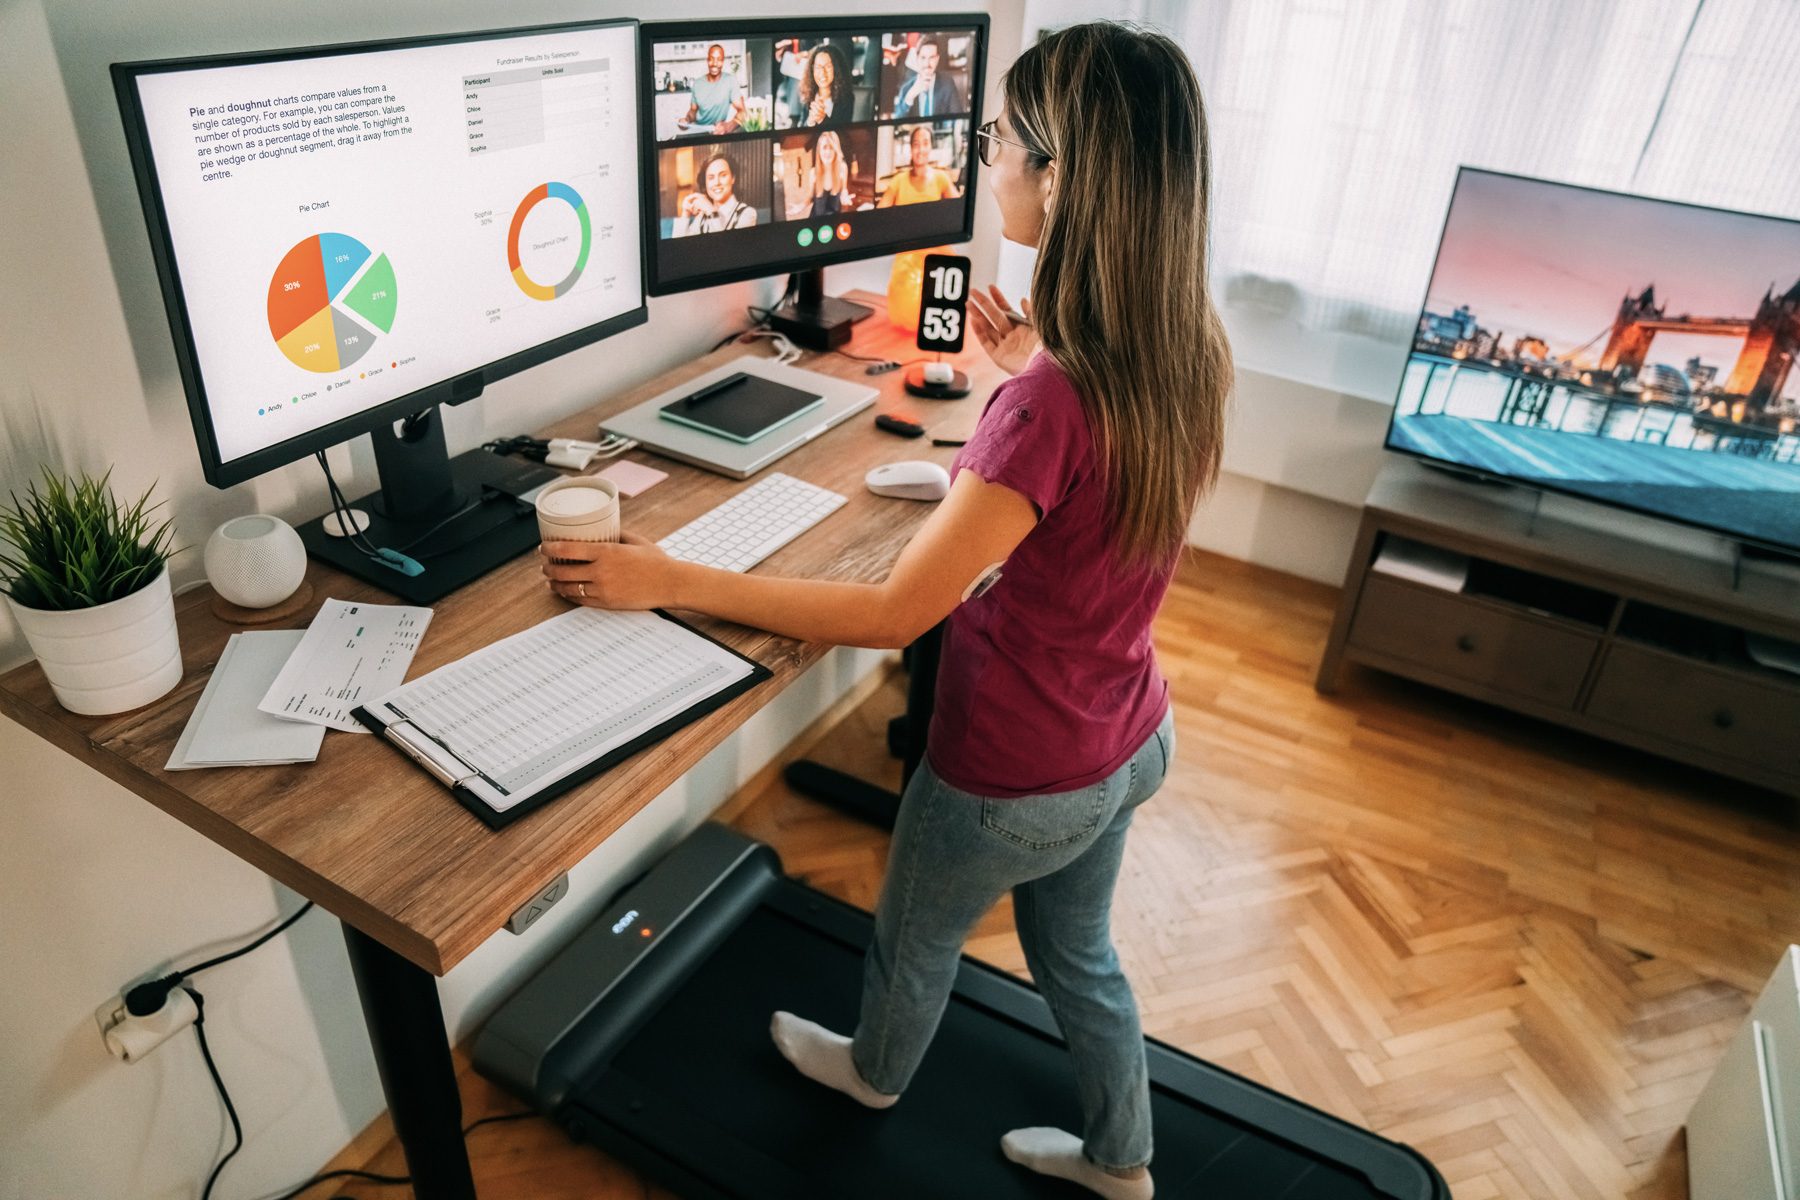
column 1009, row 343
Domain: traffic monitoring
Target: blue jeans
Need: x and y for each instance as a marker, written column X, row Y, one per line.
column 953, row 856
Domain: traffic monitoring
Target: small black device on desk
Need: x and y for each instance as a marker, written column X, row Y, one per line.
column 741, row 407
column 904, row 426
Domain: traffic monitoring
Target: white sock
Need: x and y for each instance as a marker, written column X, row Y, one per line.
column 824, row 1057
column 1054, row 1152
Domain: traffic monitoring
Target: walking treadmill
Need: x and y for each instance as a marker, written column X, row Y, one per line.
column 648, row 1036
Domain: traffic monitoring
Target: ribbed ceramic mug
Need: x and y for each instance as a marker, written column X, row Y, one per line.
column 582, row 508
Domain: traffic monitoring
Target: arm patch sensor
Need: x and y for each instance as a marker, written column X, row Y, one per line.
column 982, row 582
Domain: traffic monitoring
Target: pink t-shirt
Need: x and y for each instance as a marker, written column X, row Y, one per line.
column 1049, row 682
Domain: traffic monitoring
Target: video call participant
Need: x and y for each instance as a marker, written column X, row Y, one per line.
column 714, row 206
column 831, row 177
column 927, row 93
column 825, row 89
column 1053, row 722
column 718, row 101
column 921, row 183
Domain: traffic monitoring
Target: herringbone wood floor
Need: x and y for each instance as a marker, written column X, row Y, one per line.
column 1519, row 950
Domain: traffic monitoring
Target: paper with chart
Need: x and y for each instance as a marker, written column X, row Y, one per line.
column 351, row 652
column 519, row 715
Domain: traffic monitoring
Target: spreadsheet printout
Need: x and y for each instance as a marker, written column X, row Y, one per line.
column 517, row 716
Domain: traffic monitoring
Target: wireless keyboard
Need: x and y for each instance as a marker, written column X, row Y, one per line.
column 753, row 524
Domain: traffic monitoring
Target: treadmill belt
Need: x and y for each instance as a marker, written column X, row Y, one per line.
column 701, row 1091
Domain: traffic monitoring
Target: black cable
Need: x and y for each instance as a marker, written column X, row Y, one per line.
column 149, row 997
column 513, row 1116
column 861, row 357
column 762, row 316
column 464, row 511
column 237, row 1128
column 241, row 951
column 341, row 507
column 360, row 540
column 345, row 1173
column 395, row 1179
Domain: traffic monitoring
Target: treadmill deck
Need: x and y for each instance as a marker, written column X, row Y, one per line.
column 700, row 1097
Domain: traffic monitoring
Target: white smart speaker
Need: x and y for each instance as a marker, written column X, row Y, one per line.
column 254, row 564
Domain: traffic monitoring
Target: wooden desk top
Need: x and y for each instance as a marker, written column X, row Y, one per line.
column 375, row 840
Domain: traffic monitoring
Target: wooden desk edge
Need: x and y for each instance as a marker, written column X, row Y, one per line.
column 420, row 927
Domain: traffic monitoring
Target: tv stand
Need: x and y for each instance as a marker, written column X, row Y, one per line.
column 1779, row 561
column 1464, row 474
column 1628, row 640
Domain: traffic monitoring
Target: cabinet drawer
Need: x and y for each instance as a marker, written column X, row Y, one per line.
column 1453, row 635
column 1667, row 696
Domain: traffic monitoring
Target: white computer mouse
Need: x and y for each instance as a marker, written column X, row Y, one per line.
column 909, row 480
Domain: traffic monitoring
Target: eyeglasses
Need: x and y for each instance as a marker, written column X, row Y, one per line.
column 988, row 144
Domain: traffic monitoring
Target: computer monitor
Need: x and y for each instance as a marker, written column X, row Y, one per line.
column 350, row 235
column 788, row 145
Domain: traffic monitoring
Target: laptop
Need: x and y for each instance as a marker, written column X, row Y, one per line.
column 644, row 423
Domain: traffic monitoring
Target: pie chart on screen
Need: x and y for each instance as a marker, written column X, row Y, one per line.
column 330, row 299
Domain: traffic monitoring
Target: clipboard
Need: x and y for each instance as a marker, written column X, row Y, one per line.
column 462, row 754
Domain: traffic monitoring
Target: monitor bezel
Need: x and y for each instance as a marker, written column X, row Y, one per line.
column 1723, row 531
column 875, row 23
column 456, row 389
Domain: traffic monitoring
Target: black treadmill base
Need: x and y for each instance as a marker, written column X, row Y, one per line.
column 700, row 1099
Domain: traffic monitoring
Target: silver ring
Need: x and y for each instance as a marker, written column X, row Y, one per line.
column 581, row 590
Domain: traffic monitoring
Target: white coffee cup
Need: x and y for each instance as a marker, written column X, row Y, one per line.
column 582, row 508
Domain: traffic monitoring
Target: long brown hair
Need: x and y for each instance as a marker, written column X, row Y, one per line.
column 1119, row 295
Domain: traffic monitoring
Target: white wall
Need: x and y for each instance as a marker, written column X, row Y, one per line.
column 1303, row 436
column 98, row 888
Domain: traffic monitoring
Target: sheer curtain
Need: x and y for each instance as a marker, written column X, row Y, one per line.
column 1338, row 126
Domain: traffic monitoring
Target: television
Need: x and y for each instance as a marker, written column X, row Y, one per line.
column 1626, row 350
column 350, row 235
column 787, row 145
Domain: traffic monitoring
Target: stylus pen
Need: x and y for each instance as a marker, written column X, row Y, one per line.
column 724, row 385
column 1017, row 318
column 949, row 441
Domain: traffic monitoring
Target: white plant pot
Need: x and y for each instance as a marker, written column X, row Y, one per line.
column 110, row 658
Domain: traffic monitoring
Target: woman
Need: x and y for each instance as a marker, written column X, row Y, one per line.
column 714, row 206
column 825, row 89
column 1052, row 721
column 920, row 182
column 831, row 177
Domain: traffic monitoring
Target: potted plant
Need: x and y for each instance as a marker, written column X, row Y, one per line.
column 87, row 579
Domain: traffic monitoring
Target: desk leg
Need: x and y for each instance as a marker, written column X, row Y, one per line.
column 859, row 798
column 406, row 1029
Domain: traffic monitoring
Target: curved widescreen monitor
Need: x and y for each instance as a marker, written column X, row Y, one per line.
column 1633, row 351
column 788, row 145
column 348, row 234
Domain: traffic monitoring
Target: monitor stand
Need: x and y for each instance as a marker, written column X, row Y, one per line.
column 813, row 319
column 459, row 518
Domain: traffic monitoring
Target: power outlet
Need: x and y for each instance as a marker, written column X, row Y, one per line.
column 130, row 1038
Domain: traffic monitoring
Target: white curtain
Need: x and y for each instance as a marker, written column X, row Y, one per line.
column 1338, row 126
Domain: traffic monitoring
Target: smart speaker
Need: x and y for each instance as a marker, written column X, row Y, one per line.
column 257, row 568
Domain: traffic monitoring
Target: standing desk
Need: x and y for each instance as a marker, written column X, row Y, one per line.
column 417, row 882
